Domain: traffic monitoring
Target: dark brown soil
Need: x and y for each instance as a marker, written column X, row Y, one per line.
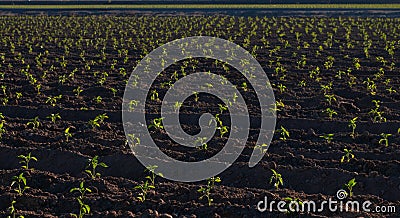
column 310, row 166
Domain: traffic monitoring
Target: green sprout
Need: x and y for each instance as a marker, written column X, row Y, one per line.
column 292, row 203
column 67, row 134
column 348, row 155
column 353, row 125
column 327, row 137
column 20, row 182
column 144, row 188
column 54, row 117
column 25, row 160
column 330, row 112
column 262, row 148
column 12, row 211
column 84, row 209
column 349, row 185
column 53, row 100
column 34, row 122
column 2, row 129
column 384, row 140
column 92, row 165
column 205, row 191
column 202, row 142
column 77, row 91
column 156, row 123
column 153, row 174
column 276, row 178
column 284, row 133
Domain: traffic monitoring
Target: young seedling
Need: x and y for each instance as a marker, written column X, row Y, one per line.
column 384, row 140
column 20, row 182
column 78, row 91
column 284, row 133
column 353, row 125
column 92, row 165
column 348, row 155
column 262, row 148
column 114, row 91
column 293, row 204
column 12, row 211
column 349, row 185
column 132, row 104
column 53, row 100
column 153, row 174
column 154, row 95
column 98, row 99
column 276, row 178
column 99, row 119
column 67, row 134
column 34, row 122
column 2, row 129
column 144, row 188
column 327, row 137
column 54, row 117
column 84, row 209
column 156, row 123
column 202, row 142
column 177, row 105
column 25, row 161
column 206, row 190
column 330, row 112
column 133, row 140
column 222, row 108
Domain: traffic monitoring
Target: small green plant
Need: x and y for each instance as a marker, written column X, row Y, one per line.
column 222, row 108
column 67, row 134
column 144, row 189
column 132, row 104
column 327, row 137
column 54, row 117
column 34, row 122
column 353, row 125
column 98, row 99
column 132, row 139
column 156, row 123
column 99, row 119
column 153, row 174
column 284, row 133
column 2, row 129
column 114, row 91
column 84, row 209
column 330, row 112
column 262, row 148
column 385, row 139
column 12, row 211
column 293, row 204
column 92, row 165
column 276, row 178
column 20, row 182
column 25, row 159
column 52, row 100
column 349, row 185
column 202, row 142
column 205, row 191
column 348, row 155
column 78, row 91
column 177, row 105
column 154, row 95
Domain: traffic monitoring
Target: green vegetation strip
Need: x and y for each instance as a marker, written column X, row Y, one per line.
column 209, row 6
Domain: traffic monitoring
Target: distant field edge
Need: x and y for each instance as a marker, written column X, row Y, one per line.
column 202, row 6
